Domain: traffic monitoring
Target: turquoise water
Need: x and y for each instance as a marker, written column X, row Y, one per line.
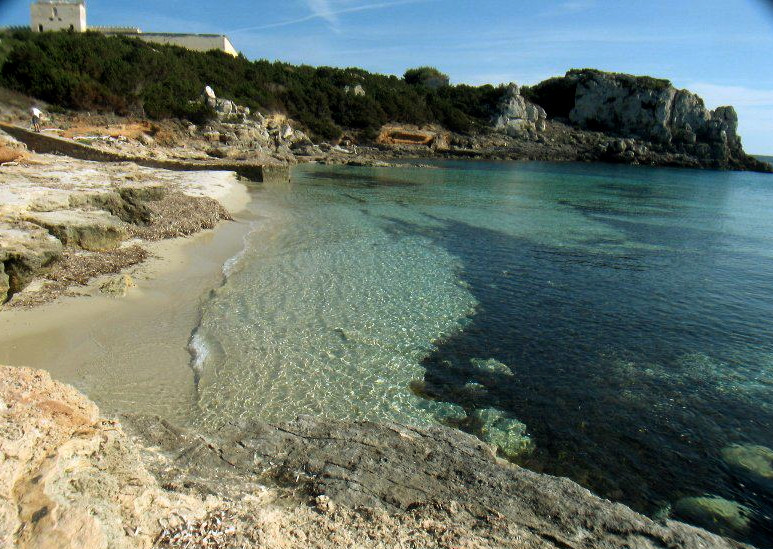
column 615, row 321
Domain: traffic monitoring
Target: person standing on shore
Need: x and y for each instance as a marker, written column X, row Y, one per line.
column 36, row 115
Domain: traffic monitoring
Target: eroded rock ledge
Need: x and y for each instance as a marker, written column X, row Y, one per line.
column 71, row 479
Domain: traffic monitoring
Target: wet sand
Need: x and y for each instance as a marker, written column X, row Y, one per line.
column 131, row 354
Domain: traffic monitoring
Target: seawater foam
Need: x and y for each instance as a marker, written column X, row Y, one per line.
column 199, row 350
column 230, row 264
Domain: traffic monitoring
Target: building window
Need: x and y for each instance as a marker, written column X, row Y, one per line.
column 72, row 27
column 55, row 12
column 40, row 28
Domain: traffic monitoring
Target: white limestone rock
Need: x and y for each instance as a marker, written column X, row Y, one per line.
column 517, row 117
column 649, row 109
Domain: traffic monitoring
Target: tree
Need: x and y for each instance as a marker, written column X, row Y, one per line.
column 428, row 77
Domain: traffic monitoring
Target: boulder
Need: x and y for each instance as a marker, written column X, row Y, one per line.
column 225, row 107
column 25, row 250
column 516, row 116
column 118, row 285
column 209, row 97
column 286, row 132
column 95, row 231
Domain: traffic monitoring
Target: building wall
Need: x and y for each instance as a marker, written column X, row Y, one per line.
column 55, row 16
column 58, row 15
column 196, row 42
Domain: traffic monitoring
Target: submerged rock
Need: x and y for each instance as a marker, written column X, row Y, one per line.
column 753, row 460
column 491, row 366
column 716, row 514
column 448, row 413
column 506, row 433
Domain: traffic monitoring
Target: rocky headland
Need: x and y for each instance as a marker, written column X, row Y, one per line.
column 585, row 116
column 71, row 478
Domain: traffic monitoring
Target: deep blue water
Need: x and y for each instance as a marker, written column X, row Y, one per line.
column 633, row 305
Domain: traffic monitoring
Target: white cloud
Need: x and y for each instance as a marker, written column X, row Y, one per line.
column 322, row 9
column 716, row 95
column 569, row 7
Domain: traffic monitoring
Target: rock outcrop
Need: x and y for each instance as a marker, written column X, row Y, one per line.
column 401, row 470
column 518, row 117
column 72, row 479
column 95, row 231
column 403, row 134
column 647, row 120
column 25, row 249
column 64, row 220
column 355, row 89
column 650, row 109
column 69, row 478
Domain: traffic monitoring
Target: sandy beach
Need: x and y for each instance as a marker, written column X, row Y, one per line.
column 101, row 344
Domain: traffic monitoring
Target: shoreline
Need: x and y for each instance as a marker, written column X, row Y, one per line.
column 90, row 340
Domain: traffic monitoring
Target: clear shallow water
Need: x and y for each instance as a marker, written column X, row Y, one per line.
column 632, row 304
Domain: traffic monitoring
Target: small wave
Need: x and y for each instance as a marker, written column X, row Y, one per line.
column 199, row 350
column 232, row 263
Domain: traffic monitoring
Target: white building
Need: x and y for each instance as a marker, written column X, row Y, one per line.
column 56, row 15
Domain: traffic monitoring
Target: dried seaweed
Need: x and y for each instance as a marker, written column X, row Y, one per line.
column 214, row 531
column 77, row 268
column 179, row 214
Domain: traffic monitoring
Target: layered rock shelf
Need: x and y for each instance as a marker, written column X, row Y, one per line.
column 65, row 221
column 70, row 478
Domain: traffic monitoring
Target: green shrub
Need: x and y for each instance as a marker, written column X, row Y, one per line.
column 429, row 77
column 90, row 71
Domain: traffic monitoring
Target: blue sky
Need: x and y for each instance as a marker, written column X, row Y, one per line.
column 722, row 49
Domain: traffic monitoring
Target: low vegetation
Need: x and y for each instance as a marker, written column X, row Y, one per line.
column 123, row 75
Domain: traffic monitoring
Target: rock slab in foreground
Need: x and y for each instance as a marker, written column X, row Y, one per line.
column 410, row 471
column 69, row 478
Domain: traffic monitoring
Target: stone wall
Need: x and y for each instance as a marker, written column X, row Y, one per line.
column 42, row 143
column 195, row 42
